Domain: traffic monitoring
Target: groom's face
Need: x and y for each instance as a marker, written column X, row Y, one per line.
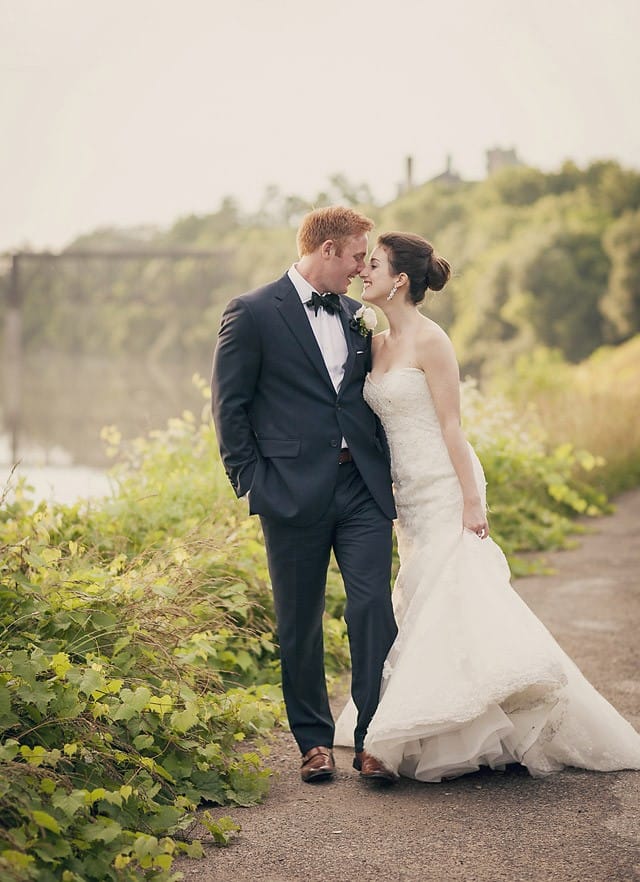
column 341, row 268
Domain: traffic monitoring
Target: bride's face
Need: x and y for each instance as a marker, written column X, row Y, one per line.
column 377, row 277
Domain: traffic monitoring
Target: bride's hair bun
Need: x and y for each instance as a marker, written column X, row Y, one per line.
column 414, row 256
column 438, row 272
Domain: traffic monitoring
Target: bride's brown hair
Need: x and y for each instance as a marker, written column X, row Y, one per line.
column 413, row 255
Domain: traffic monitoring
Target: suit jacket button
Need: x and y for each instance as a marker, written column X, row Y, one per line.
column 334, row 443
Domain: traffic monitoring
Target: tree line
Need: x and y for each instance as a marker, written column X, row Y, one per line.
column 549, row 259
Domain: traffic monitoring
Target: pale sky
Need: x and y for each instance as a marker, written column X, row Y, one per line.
column 126, row 112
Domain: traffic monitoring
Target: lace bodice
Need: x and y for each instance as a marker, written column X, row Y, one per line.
column 402, row 400
column 426, row 487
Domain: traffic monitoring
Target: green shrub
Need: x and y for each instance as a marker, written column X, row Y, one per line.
column 137, row 658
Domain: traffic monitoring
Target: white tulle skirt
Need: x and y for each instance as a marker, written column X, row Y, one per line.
column 475, row 679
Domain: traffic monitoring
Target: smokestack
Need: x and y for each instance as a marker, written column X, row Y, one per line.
column 409, row 176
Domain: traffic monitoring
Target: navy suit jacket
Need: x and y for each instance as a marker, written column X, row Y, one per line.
column 278, row 418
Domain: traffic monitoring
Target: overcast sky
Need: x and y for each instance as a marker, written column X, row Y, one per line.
column 140, row 111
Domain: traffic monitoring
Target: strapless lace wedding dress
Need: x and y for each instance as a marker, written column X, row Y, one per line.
column 473, row 678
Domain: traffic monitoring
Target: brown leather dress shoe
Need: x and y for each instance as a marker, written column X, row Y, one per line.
column 317, row 765
column 372, row 769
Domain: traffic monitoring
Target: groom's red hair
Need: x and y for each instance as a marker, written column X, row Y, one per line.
column 334, row 222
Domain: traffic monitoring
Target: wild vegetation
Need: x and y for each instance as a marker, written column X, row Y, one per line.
column 594, row 403
column 137, row 671
column 138, row 666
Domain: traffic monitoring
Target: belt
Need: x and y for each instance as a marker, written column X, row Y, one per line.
column 345, row 456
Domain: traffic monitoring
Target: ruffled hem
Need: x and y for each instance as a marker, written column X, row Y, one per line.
column 431, row 752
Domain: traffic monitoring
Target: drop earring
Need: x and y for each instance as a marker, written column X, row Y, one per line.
column 392, row 293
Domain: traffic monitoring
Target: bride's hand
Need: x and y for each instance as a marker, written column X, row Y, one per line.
column 474, row 518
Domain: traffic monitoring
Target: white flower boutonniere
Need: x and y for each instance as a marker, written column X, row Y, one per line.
column 364, row 320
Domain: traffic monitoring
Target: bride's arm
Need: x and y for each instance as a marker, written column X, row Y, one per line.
column 438, row 361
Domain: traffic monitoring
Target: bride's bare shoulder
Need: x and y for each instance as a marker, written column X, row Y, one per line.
column 378, row 339
column 430, row 333
column 433, row 342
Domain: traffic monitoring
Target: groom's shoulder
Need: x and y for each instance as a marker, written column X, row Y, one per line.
column 353, row 304
column 267, row 293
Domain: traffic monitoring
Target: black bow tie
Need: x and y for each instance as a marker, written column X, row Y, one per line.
column 330, row 302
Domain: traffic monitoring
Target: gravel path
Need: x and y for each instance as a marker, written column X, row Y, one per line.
column 572, row 827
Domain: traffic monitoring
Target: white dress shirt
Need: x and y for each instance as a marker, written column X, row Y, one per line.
column 327, row 329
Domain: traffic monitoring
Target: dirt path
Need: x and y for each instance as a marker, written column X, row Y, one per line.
column 571, row 827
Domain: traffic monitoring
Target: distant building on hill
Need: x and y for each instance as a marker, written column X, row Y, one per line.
column 448, row 176
column 497, row 158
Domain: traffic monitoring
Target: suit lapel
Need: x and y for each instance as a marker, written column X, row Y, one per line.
column 291, row 309
column 352, row 337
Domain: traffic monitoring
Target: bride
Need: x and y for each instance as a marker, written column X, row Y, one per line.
column 473, row 678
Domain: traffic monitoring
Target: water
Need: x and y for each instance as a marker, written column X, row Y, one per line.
column 65, row 401
column 65, row 484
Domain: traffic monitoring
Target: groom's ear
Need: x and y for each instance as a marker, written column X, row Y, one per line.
column 328, row 248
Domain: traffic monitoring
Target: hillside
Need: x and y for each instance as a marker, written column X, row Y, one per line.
column 550, row 259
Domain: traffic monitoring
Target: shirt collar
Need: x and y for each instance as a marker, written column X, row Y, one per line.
column 304, row 289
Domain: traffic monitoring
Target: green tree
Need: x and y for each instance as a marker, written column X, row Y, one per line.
column 560, row 285
column 481, row 330
column 621, row 304
column 615, row 189
column 520, row 185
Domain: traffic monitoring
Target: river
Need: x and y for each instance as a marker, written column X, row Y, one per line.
column 65, row 401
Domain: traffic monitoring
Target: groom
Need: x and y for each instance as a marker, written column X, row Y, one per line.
column 296, row 435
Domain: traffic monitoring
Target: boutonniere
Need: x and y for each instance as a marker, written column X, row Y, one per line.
column 364, row 320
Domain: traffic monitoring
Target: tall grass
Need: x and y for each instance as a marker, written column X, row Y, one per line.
column 595, row 405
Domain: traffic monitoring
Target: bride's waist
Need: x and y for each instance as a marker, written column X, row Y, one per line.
column 422, row 466
column 419, row 488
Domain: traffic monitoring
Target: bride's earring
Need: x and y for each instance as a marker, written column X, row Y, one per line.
column 392, row 293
